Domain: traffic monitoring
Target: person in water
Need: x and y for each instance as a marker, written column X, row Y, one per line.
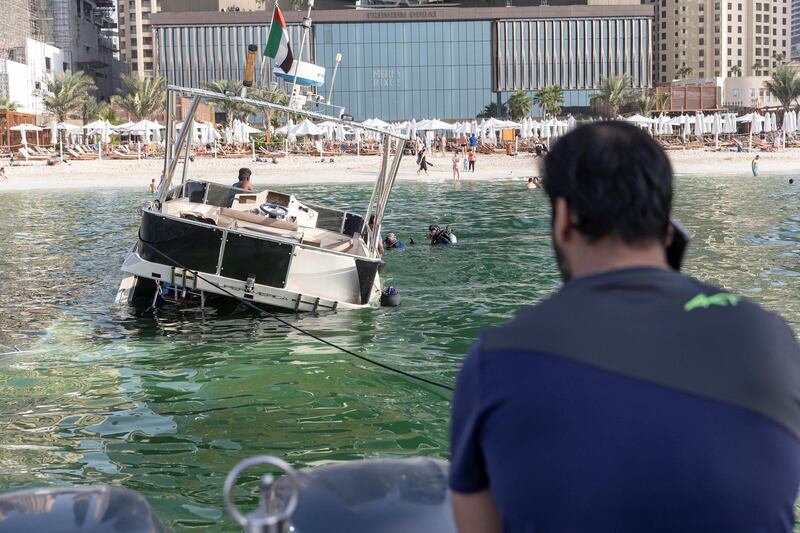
column 391, row 243
column 438, row 235
column 153, row 186
column 244, row 179
column 754, row 165
column 635, row 398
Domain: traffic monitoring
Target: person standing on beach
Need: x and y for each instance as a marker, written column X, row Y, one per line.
column 456, row 169
column 422, row 161
column 471, row 158
column 754, row 165
column 473, row 142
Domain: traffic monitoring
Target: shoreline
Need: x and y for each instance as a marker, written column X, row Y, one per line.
column 305, row 170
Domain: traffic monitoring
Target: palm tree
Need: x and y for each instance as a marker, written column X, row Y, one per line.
column 276, row 96
column 142, row 98
column 643, row 103
column 90, row 108
column 232, row 110
column 519, row 105
column 491, row 110
column 780, row 57
column 685, row 71
column 7, row 104
column 735, row 70
column 784, row 85
column 549, row 100
column 107, row 113
column 66, row 93
column 663, row 100
column 757, row 66
column 613, row 93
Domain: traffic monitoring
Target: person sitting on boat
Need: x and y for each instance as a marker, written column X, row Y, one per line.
column 438, row 235
column 634, row 398
column 391, row 243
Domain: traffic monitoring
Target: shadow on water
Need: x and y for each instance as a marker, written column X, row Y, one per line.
column 167, row 402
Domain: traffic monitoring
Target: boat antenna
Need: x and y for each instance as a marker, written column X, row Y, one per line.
column 306, row 28
column 297, row 328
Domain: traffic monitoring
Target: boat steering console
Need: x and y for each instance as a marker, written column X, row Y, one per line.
column 275, row 211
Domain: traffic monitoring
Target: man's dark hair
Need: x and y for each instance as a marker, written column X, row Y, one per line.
column 616, row 180
column 244, row 174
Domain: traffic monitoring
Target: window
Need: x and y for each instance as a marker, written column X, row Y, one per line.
column 735, row 93
column 65, row 67
column 47, row 64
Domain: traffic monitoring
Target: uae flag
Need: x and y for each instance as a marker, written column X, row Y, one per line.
column 278, row 47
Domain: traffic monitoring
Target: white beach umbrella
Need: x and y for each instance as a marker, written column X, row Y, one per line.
column 788, row 126
column 290, row 136
column 341, row 135
column 307, row 128
column 376, row 123
column 639, row 120
column 434, row 125
column 23, row 129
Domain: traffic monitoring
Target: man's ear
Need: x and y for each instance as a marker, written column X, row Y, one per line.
column 563, row 223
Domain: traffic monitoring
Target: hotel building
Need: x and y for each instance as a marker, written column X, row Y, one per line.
column 446, row 62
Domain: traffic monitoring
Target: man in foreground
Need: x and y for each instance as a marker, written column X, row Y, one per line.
column 635, row 398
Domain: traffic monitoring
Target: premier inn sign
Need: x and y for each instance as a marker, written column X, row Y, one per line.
column 402, row 14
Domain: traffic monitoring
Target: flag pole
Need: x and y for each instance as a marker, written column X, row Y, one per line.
column 264, row 60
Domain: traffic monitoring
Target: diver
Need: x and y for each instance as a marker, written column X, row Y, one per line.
column 441, row 236
column 391, row 243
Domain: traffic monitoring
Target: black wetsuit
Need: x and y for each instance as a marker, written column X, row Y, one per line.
column 635, row 400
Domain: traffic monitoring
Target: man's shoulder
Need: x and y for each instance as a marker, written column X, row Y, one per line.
column 598, row 308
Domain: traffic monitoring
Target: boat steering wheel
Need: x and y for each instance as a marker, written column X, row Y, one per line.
column 274, row 211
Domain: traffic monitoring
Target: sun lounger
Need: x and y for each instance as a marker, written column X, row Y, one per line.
column 32, row 157
column 74, row 154
column 120, row 155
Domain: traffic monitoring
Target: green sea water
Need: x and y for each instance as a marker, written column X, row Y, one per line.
column 167, row 403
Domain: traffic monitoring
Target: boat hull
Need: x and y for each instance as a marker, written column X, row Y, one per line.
column 197, row 259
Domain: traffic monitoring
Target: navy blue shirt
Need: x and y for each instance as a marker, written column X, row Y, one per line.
column 636, row 400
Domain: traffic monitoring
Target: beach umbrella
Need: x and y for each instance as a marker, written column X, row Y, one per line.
column 290, row 136
column 433, row 125
column 639, row 120
column 376, row 123
column 307, row 128
column 23, row 129
column 340, row 133
column 699, row 125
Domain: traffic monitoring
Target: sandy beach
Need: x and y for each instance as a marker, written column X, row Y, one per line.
column 350, row 169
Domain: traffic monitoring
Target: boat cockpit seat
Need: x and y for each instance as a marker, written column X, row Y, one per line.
column 261, row 220
column 341, row 246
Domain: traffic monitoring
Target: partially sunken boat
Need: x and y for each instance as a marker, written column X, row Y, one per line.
column 205, row 243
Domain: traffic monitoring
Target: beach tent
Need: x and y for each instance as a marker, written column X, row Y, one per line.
column 23, row 129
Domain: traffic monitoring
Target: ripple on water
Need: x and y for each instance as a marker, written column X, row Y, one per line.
column 167, row 403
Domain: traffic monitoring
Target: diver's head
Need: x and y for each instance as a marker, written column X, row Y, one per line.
column 433, row 229
column 390, row 240
column 610, row 189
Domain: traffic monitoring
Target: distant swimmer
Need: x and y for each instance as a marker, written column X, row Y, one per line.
column 438, row 235
column 391, row 243
column 153, row 185
column 791, row 181
column 533, row 183
column 754, row 165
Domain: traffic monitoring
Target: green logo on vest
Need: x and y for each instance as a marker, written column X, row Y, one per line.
column 701, row 301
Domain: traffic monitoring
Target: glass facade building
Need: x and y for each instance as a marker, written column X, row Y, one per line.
column 422, row 68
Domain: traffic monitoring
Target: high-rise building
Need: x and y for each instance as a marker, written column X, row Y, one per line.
column 26, row 19
column 136, row 35
column 83, row 30
column 795, row 54
column 710, row 39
